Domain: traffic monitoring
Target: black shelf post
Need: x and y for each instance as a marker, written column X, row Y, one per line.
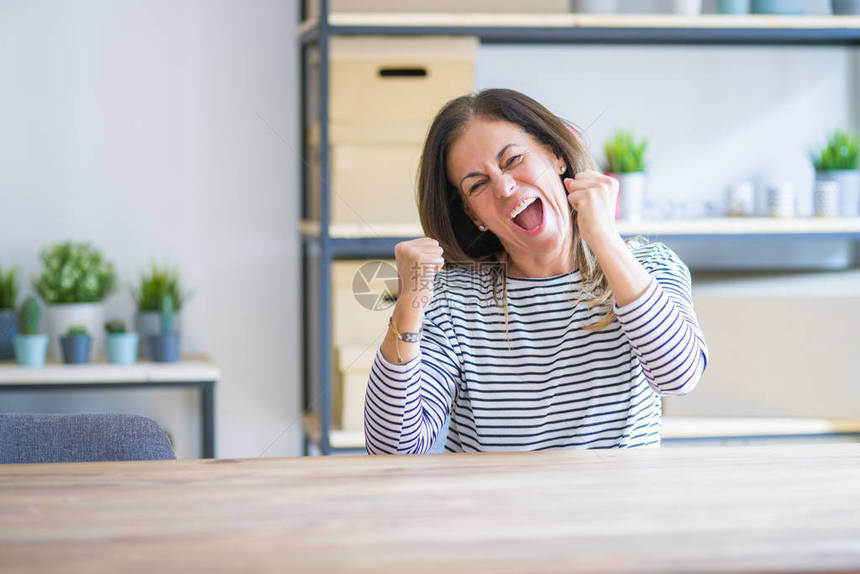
column 317, row 252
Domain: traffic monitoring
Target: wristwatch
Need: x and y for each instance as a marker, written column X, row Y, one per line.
column 407, row 337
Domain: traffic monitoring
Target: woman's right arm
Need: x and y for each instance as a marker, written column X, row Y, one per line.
column 411, row 385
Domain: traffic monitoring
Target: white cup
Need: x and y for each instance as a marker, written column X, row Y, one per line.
column 826, row 198
column 781, row 200
column 740, row 198
column 687, row 7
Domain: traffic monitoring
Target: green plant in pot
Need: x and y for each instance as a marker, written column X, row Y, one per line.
column 154, row 285
column 121, row 344
column 625, row 159
column 74, row 282
column 30, row 345
column 75, row 345
column 837, row 161
column 165, row 346
column 8, row 315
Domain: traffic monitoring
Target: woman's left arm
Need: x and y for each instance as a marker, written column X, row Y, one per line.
column 654, row 309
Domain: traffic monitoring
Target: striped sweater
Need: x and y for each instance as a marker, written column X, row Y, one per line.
column 549, row 383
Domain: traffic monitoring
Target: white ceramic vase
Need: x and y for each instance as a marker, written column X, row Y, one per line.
column 687, row 7
column 740, row 199
column 849, row 189
column 60, row 317
column 631, row 195
column 782, row 200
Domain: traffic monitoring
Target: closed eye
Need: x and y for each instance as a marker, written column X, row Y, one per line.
column 475, row 187
column 513, row 160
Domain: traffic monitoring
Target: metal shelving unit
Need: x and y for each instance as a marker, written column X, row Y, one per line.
column 324, row 242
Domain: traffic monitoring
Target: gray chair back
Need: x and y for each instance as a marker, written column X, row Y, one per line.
column 81, row 438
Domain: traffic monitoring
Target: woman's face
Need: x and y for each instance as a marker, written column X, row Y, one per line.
column 499, row 168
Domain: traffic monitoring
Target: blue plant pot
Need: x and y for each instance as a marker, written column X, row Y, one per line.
column 845, row 7
column 8, row 330
column 30, row 350
column 164, row 348
column 785, row 7
column 733, row 6
column 122, row 348
column 76, row 349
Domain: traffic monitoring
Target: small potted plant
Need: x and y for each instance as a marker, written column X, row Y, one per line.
column 837, row 161
column 8, row 316
column 165, row 346
column 74, row 282
column 121, row 344
column 158, row 282
column 76, row 345
column 30, row 345
column 784, row 7
column 626, row 162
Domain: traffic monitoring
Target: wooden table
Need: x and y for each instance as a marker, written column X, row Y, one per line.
column 710, row 509
column 195, row 371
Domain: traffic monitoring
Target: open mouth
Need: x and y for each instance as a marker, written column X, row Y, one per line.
column 528, row 215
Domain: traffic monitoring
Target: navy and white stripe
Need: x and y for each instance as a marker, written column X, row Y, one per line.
column 550, row 384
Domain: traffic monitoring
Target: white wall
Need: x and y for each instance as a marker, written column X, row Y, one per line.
column 166, row 130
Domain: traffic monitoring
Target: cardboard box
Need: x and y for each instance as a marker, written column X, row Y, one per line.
column 384, row 94
column 359, row 310
column 373, row 173
column 360, row 313
column 352, row 364
column 781, row 346
column 376, row 79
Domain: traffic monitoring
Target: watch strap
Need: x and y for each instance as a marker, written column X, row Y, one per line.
column 407, row 337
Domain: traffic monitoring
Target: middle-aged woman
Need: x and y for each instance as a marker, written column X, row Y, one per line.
column 545, row 329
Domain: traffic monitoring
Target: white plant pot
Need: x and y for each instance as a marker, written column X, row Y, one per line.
column 149, row 323
column 849, row 189
column 631, row 193
column 687, row 7
column 60, row 317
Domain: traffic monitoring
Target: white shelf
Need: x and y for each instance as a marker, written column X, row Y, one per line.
column 191, row 368
column 575, row 20
column 699, row 427
column 727, row 226
column 744, row 226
